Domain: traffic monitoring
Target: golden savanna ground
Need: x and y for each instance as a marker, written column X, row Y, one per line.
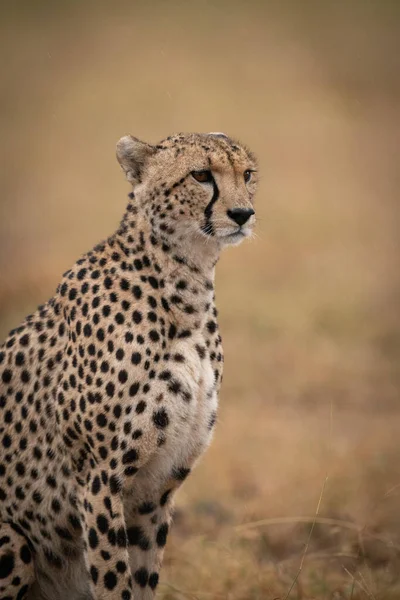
column 310, row 416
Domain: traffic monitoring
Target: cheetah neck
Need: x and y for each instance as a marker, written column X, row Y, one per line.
column 198, row 253
column 185, row 279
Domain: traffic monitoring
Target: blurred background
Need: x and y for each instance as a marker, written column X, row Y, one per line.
column 309, row 426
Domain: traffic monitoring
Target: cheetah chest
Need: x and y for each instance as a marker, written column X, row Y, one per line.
column 187, row 392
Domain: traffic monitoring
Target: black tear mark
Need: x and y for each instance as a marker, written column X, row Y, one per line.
column 208, row 226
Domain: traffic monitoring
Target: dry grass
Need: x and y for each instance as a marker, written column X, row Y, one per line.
column 309, row 309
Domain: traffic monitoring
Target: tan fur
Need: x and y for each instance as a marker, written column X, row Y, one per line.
column 108, row 393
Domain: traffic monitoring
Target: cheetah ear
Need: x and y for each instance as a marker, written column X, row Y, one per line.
column 132, row 155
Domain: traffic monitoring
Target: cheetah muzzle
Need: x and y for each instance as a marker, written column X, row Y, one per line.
column 108, row 392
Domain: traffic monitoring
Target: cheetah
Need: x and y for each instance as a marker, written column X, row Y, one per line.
column 108, row 392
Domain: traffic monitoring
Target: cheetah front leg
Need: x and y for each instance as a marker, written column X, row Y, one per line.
column 106, row 538
column 147, row 533
column 16, row 564
column 148, row 516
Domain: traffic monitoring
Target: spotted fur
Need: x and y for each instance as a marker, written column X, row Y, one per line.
column 108, row 392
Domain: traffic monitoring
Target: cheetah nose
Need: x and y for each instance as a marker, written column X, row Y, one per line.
column 240, row 215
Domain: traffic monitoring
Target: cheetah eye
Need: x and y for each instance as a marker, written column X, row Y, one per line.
column 202, row 176
column 247, row 175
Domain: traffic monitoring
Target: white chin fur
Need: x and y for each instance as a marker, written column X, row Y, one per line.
column 234, row 239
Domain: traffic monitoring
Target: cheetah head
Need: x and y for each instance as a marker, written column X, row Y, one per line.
column 195, row 189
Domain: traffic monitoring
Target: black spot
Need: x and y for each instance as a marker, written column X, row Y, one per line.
column 154, row 335
column 52, row 558
column 4, row 540
column 6, row 376
column 7, row 565
column 121, row 537
column 164, row 497
column 137, row 537
column 130, row 456
column 95, row 302
column 119, row 318
column 212, row 420
column 37, row 453
column 160, row 418
column 24, row 341
column 201, row 351
column 165, row 375
column 130, row 471
column 120, row 354
column 55, row 505
column 75, row 522
column 7, row 441
column 22, row 592
column 102, row 523
column 110, row 389
column 137, row 292
column 87, row 330
column 94, row 573
column 37, row 497
column 106, row 310
column 142, row 577
column 212, row 326
column 137, row 317
column 93, row 538
column 147, row 508
column 122, row 376
column 25, row 554
column 136, row 358
column 174, row 387
column 172, row 331
column 153, row 580
column 152, row 301
column 96, row 485
column 153, row 282
column 103, row 452
column 63, row 533
column 110, row 580
column 140, row 407
column 19, row 359
column 104, row 366
column 115, row 485
column 20, row 468
column 101, row 420
column 121, row 566
column 162, row 533
column 180, row 474
column 185, row 333
column 133, row 390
